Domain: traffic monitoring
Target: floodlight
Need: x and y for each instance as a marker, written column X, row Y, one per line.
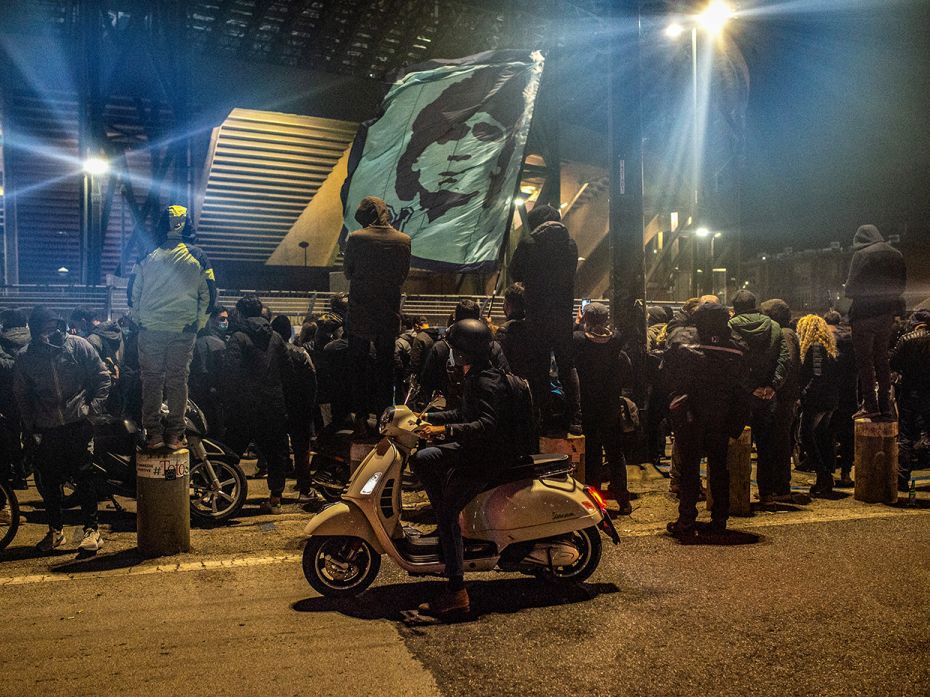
column 715, row 16
column 702, row 232
column 96, row 166
column 674, row 30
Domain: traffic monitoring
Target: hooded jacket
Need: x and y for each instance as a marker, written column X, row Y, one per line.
column 59, row 385
column 12, row 341
column 545, row 263
column 173, row 289
column 107, row 340
column 603, row 371
column 768, row 358
column 376, row 262
column 256, row 366
column 877, row 276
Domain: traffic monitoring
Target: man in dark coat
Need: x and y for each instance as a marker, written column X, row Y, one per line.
column 841, row 423
column 13, row 339
column 207, row 372
column 767, row 363
column 377, row 260
column 106, row 336
column 59, row 381
column 545, row 262
column 911, row 359
column 256, row 368
column 704, row 368
column 876, row 282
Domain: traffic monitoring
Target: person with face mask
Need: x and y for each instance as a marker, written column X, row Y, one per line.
column 171, row 293
column 207, row 373
column 58, row 382
column 377, row 261
column 477, row 444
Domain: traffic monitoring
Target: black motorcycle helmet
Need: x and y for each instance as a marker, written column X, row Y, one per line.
column 471, row 338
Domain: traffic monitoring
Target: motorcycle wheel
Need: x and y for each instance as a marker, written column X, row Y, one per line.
column 340, row 567
column 588, row 542
column 9, row 524
column 217, row 500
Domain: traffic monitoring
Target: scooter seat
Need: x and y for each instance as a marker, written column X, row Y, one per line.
column 534, row 466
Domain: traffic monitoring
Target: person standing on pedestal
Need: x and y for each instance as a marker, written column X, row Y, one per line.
column 876, row 282
column 545, row 262
column 377, row 261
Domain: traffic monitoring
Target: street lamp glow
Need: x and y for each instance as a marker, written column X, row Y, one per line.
column 96, row 166
column 702, row 232
column 715, row 16
column 674, row 30
column 518, row 201
column 718, row 234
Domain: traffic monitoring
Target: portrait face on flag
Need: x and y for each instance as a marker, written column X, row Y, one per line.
column 445, row 156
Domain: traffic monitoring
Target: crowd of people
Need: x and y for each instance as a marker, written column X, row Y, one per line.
column 263, row 383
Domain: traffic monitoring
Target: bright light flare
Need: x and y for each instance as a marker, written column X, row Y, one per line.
column 674, row 30
column 715, row 16
column 519, row 201
column 96, row 166
column 702, row 232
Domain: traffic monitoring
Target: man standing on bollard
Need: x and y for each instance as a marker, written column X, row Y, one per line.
column 377, row 261
column 58, row 381
column 876, row 282
column 171, row 293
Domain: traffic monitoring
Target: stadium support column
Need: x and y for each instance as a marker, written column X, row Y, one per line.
column 627, row 261
column 91, row 137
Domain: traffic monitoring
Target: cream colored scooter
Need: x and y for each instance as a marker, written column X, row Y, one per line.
column 535, row 519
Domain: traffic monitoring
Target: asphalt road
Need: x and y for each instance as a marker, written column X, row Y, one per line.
column 831, row 598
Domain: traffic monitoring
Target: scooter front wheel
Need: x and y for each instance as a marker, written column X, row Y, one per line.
column 340, row 567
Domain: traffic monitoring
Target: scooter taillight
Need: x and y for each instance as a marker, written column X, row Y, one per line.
column 595, row 496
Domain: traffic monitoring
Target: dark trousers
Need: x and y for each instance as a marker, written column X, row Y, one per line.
column 450, row 488
column 817, row 438
column 603, row 434
column 64, row 454
column 300, row 429
column 783, row 439
column 771, row 479
column 372, row 375
column 551, row 340
column 12, row 460
column 871, row 342
column 914, row 411
column 269, row 433
column 694, row 441
column 842, row 428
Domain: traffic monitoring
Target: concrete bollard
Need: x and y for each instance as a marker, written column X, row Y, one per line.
column 573, row 446
column 739, row 464
column 876, row 461
column 163, row 509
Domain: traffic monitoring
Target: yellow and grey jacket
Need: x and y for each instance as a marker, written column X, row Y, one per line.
column 173, row 289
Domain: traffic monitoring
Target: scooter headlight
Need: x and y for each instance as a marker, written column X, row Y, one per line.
column 387, row 418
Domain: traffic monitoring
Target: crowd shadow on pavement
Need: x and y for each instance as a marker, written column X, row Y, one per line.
column 100, row 562
column 397, row 601
column 729, row 538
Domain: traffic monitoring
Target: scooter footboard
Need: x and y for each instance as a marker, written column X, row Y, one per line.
column 344, row 520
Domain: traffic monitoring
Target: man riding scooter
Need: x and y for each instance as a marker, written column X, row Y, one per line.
column 478, row 444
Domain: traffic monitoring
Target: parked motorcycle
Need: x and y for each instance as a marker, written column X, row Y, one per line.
column 218, row 486
column 535, row 518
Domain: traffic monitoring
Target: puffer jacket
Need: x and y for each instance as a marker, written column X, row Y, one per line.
column 820, row 384
column 545, row 262
column 769, row 356
column 877, row 276
column 59, row 385
column 256, row 367
column 173, row 289
column 911, row 358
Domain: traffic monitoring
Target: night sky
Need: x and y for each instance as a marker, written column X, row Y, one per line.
column 838, row 122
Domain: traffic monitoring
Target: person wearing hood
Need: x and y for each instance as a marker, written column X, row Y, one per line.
column 786, row 400
column 58, row 382
column 704, row 368
column 876, row 282
column 603, row 371
column 106, row 337
column 256, row 367
column 842, row 426
column 518, row 345
column 171, row 292
column 911, row 359
column 377, row 261
column 13, row 338
column 545, row 263
column 207, row 371
column 768, row 361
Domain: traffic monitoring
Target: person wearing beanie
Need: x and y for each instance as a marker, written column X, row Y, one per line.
column 545, row 262
column 376, row 263
column 768, row 359
column 786, row 400
column 876, row 283
column 603, row 371
column 704, row 369
column 58, row 382
column 171, row 294
column 911, row 359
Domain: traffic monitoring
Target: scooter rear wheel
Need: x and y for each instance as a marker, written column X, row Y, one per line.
column 588, row 542
column 340, row 567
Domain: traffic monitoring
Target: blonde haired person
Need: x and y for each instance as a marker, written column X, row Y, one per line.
column 819, row 398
